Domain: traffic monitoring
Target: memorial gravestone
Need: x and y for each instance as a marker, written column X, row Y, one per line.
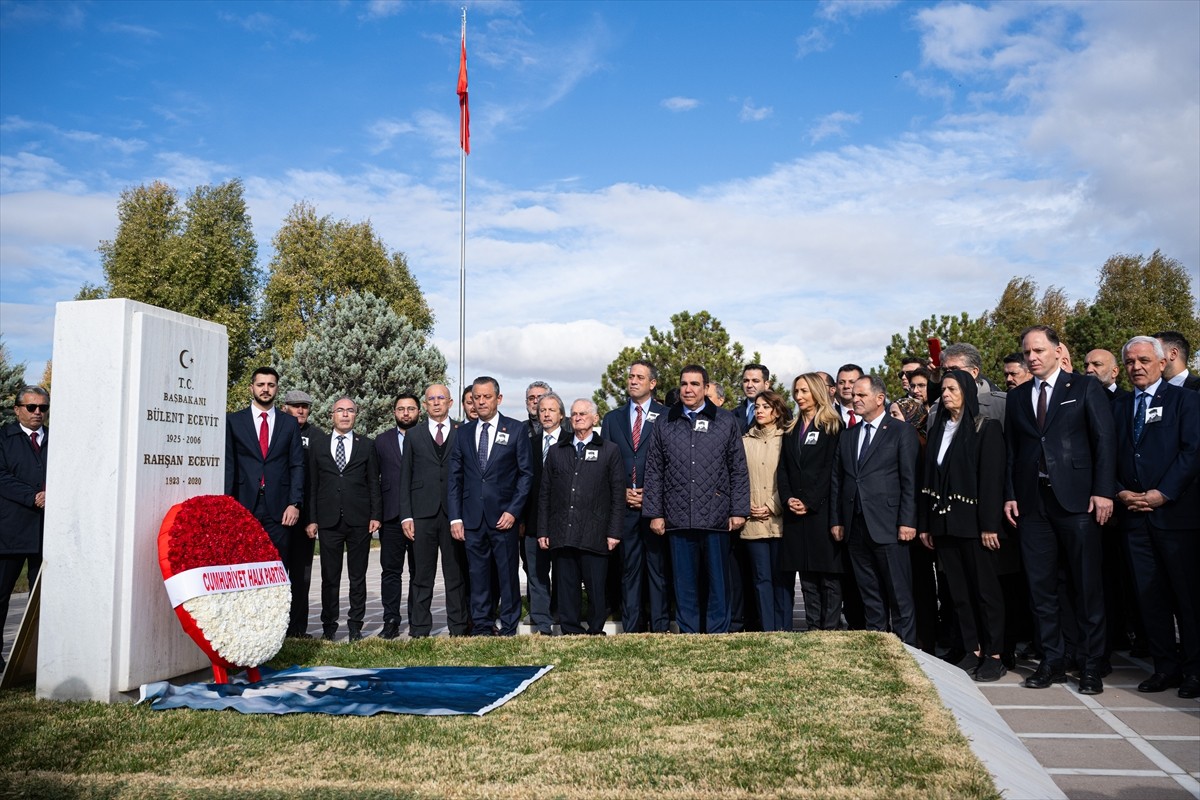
column 139, row 425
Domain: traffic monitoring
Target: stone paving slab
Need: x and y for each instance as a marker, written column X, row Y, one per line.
column 1152, row 722
column 1077, row 720
column 1118, row 787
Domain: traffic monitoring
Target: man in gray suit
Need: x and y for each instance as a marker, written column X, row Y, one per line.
column 423, row 474
column 873, row 506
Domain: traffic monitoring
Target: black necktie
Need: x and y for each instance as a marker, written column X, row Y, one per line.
column 866, row 443
column 1139, row 417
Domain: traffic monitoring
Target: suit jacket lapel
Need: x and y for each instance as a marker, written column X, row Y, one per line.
column 875, row 438
column 1061, row 393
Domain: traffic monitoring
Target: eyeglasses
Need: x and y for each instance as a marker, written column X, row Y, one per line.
column 345, row 411
column 32, row 407
column 436, row 398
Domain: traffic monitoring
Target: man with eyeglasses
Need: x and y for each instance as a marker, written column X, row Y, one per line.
column 22, row 492
column 345, row 510
column 534, row 393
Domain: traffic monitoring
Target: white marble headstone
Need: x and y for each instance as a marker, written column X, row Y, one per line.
column 137, row 425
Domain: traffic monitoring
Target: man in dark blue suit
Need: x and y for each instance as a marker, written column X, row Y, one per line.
column 23, row 451
column 644, row 556
column 1061, row 451
column 264, row 461
column 1158, row 461
column 873, row 507
column 490, row 476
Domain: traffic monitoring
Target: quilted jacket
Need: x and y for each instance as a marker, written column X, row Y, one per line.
column 696, row 475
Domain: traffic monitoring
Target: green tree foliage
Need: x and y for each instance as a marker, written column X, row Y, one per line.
column 693, row 339
column 962, row 328
column 1136, row 296
column 12, row 378
column 328, row 362
column 318, row 260
column 197, row 258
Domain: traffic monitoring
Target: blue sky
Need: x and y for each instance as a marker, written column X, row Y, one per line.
column 816, row 175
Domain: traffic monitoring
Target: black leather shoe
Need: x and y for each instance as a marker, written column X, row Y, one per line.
column 1190, row 687
column 1090, row 682
column 300, row 635
column 1045, row 676
column 1160, row 682
column 328, row 635
column 356, row 636
column 390, row 631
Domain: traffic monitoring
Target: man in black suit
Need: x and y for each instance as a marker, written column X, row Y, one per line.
column 873, row 506
column 1178, row 354
column 1158, row 461
column 645, row 563
column 423, row 480
column 23, row 451
column 298, row 404
column 490, row 475
column 548, row 430
column 346, row 509
column 393, row 544
column 1061, row 454
column 264, row 461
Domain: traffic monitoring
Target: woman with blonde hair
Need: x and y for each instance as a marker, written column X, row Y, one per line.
column 764, row 527
column 805, row 467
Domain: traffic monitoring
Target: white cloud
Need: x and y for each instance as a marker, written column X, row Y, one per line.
column 815, row 41
column 753, row 113
column 841, row 9
column 832, row 125
column 680, row 103
column 381, row 9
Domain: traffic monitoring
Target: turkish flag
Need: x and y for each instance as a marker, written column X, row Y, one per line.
column 464, row 114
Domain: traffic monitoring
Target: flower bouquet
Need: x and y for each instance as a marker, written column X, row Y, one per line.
column 226, row 582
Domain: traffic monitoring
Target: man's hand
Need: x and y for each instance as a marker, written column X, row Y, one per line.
column 1102, row 507
column 1130, row 500
column 291, row 515
column 796, row 506
column 837, row 532
column 1153, row 498
column 374, row 525
column 633, row 498
column 1011, row 513
column 927, row 540
column 311, row 530
column 612, row 543
column 544, row 542
column 907, row 534
column 39, row 499
column 736, row 522
column 505, row 522
column 990, row 540
column 410, row 529
column 658, row 526
column 457, row 532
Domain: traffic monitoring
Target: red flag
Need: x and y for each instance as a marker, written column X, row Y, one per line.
column 464, row 114
column 935, row 351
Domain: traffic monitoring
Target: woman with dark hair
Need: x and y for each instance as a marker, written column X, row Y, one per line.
column 960, row 514
column 805, row 467
column 764, row 527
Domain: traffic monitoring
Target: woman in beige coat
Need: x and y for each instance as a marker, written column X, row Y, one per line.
column 764, row 527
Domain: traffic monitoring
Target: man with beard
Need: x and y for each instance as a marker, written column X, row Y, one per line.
column 393, row 544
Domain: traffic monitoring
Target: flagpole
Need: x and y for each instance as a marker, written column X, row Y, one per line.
column 462, row 253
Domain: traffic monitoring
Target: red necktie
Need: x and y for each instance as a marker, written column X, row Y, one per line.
column 37, row 448
column 853, row 421
column 637, row 437
column 264, row 435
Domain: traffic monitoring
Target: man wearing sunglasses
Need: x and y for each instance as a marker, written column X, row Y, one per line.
column 22, row 492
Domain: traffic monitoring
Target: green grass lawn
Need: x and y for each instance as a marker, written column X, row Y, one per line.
column 821, row 715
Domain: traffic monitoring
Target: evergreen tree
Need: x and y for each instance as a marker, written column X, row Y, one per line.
column 693, row 339
column 12, row 379
column 360, row 347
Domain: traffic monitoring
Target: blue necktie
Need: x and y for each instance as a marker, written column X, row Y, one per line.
column 483, row 446
column 579, row 449
column 1139, row 417
column 866, row 443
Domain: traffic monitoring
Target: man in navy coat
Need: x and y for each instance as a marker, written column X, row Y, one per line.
column 644, row 556
column 1158, row 501
column 1061, row 451
column 489, row 482
column 23, row 449
column 264, row 461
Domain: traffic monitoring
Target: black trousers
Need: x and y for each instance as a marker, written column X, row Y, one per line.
column 299, row 566
column 822, row 592
column 394, row 547
column 972, row 575
column 1054, row 538
column 572, row 567
column 884, row 575
column 356, row 542
column 432, row 537
column 10, row 570
column 1164, row 570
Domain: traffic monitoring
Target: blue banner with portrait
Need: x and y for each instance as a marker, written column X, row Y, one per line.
column 428, row 691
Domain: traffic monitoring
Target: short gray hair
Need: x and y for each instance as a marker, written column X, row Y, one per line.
column 592, row 407
column 539, row 385
column 1150, row 340
column 39, row 391
column 963, row 350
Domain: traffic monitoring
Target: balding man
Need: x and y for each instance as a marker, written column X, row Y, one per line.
column 1102, row 365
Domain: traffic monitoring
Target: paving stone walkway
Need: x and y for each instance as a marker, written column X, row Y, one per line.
column 1119, row 744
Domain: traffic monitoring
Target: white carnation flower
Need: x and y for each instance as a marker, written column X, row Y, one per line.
column 245, row 628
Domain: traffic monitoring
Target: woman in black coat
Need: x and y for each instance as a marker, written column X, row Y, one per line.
column 805, row 467
column 960, row 514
